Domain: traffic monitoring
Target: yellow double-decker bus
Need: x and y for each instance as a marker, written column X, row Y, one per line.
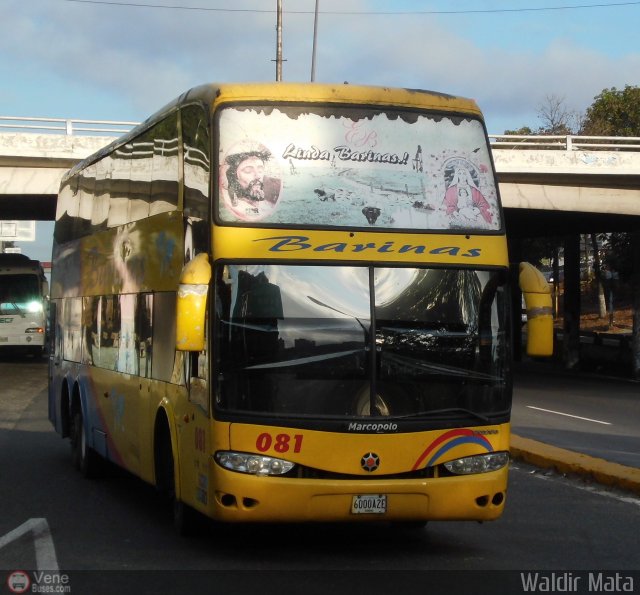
column 291, row 302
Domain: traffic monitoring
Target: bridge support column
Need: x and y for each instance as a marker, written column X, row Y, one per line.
column 515, row 256
column 635, row 293
column 571, row 302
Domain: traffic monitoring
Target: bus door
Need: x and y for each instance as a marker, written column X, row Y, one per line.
column 193, row 420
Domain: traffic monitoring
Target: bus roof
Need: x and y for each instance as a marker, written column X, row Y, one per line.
column 20, row 263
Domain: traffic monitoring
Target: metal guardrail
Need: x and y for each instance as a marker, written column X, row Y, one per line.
column 565, row 142
column 64, row 126
column 74, row 126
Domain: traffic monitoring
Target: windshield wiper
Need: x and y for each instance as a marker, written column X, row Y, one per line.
column 436, row 412
column 18, row 309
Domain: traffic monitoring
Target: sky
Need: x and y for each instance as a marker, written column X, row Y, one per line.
column 123, row 60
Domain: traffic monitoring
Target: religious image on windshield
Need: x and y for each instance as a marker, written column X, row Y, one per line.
column 365, row 169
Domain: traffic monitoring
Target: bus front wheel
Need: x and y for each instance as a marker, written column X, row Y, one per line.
column 185, row 519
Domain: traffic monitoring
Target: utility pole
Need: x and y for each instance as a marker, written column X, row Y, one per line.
column 279, row 43
column 315, row 40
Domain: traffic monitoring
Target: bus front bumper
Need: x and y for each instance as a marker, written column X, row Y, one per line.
column 239, row 497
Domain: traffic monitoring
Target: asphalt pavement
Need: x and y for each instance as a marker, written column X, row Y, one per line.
column 577, row 423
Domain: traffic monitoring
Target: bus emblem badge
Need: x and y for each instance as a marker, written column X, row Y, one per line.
column 370, row 461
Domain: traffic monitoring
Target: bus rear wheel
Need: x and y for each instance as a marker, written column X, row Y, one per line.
column 84, row 458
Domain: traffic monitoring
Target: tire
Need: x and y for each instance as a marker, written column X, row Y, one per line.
column 187, row 522
column 36, row 352
column 84, row 458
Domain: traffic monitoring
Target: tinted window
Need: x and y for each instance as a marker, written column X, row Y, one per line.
column 301, row 340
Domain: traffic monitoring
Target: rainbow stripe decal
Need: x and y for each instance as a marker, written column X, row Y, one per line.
column 447, row 441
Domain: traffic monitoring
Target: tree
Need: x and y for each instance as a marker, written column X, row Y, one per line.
column 597, row 269
column 619, row 254
column 556, row 117
column 524, row 131
column 614, row 112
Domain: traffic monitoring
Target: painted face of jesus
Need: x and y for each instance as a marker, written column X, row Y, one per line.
column 250, row 174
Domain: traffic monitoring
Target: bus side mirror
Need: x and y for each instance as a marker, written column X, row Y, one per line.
column 537, row 297
column 191, row 304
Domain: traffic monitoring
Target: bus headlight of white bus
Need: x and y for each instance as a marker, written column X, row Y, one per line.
column 492, row 461
column 34, row 307
column 244, row 462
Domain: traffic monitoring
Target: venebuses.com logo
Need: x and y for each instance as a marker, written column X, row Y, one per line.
column 20, row 581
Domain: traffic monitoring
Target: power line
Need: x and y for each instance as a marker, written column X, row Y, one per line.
column 362, row 13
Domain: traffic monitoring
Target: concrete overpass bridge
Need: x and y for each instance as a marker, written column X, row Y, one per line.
column 552, row 185
column 556, row 185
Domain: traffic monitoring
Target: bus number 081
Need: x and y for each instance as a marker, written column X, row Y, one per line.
column 281, row 442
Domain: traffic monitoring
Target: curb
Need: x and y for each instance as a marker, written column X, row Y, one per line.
column 570, row 462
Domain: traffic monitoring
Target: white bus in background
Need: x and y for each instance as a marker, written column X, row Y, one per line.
column 23, row 304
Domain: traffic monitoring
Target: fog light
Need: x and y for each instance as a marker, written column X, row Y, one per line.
column 243, row 462
column 491, row 461
column 34, row 330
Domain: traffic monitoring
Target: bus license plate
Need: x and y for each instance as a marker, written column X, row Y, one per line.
column 369, row 504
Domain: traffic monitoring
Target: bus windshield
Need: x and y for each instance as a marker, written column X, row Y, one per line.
column 19, row 294
column 354, row 341
column 334, row 166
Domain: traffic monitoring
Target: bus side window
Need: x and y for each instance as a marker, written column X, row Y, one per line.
column 164, row 339
column 90, row 324
column 164, row 185
column 52, row 331
column 119, row 187
column 141, row 176
column 144, row 333
column 195, row 141
column 100, row 210
column 72, row 338
column 198, row 384
column 67, row 211
column 86, row 191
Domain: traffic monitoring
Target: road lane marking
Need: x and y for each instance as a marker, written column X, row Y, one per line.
column 612, row 493
column 45, row 551
column 595, row 421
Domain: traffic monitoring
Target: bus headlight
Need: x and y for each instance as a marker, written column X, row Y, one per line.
column 34, row 307
column 243, row 462
column 491, row 461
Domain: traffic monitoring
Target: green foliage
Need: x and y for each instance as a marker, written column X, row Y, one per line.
column 524, row 131
column 614, row 112
column 618, row 255
column 540, row 251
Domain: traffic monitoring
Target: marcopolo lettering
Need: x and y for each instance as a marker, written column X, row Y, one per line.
column 355, row 426
column 300, row 243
